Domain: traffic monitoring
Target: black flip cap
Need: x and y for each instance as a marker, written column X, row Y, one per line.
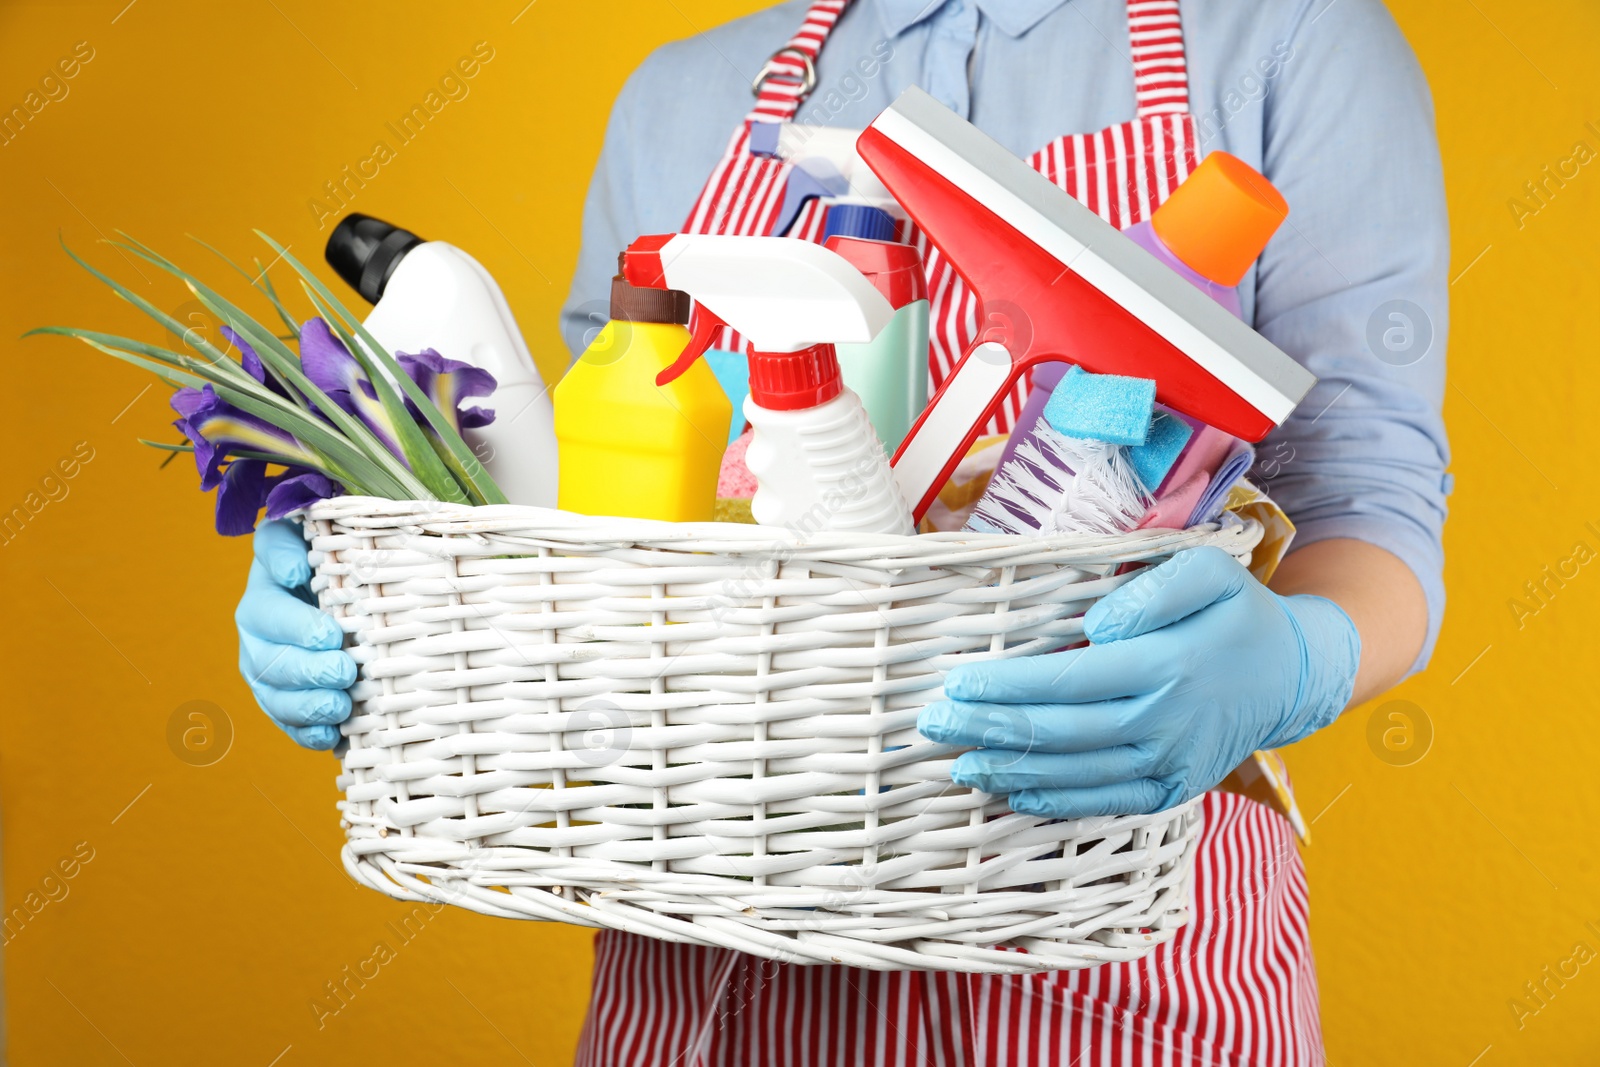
column 364, row 251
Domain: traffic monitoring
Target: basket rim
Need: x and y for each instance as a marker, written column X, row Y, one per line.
column 552, row 526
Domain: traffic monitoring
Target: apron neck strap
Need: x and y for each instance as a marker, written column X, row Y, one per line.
column 1155, row 40
column 1160, row 71
column 789, row 76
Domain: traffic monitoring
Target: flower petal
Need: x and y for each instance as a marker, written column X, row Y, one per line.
column 296, row 489
column 247, row 355
column 216, row 428
column 207, row 457
column 187, row 401
column 447, row 382
column 328, row 364
column 240, row 495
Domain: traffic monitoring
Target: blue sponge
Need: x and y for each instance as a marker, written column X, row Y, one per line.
column 1105, row 407
column 1153, row 459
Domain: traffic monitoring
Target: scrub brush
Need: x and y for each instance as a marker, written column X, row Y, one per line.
column 1058, row 484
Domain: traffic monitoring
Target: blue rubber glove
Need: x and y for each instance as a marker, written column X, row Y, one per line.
column 289, row 648
column 1191, row 666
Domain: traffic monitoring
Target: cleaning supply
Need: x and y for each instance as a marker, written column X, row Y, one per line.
column 1209, row 231
column 817, row 463
column 632, row 447
column 1077, row 468
column 890, row 374
column 1073, row 471
column 1057, row 484
column 1214, row 226
column 1043, row 383
column 1220, row 224
column 1090, row 296
column 1224, row 202
column 1105, row 407
column 1161, row 449
column 851, row 219
column 428, row 294
column 1235, row 465
column 1186, row 486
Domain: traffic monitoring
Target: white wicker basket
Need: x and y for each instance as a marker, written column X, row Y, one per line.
column 707, row 733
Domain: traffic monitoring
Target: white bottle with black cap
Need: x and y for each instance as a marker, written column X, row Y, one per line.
column 428, row 294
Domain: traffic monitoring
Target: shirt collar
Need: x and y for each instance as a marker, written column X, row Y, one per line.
column 1014, row 17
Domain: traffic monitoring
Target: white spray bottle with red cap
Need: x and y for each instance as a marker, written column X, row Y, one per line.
column 817, row 462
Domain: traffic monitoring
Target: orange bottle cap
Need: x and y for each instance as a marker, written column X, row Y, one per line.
column 1220, row 218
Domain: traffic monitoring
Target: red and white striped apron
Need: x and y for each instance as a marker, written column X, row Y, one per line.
column 1237, row 986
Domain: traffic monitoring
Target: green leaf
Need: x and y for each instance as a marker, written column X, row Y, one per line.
column 258, row 281
column 272, row 295
column 419, row 454
column 233, row 453
column 145, row 252
column 213, row 354
column 354, row 469
column 161, row 366
column 451, row 461
column 468, row 465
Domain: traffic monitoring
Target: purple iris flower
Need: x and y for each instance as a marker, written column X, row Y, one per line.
column 217, row 429
column 240, row 491
column 329, row 364
column 448, row 382
column 296, row 489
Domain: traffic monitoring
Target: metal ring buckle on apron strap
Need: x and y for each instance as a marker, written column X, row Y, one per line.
column 808, row 80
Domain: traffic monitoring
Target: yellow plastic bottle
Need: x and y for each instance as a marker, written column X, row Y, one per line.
column 629, row 447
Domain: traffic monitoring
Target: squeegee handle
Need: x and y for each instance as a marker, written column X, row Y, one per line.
column 950, row 423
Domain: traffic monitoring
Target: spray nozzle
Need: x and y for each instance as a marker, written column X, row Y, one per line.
column 792, row 300
column 705, row 330
column 639, row 269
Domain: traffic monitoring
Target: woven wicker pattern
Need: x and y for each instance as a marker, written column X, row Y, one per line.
column 707, row 733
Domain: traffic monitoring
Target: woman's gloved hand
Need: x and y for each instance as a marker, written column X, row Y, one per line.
column 288, row 648
column 1191, row 666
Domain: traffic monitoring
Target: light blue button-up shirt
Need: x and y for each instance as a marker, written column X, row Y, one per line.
column 1326, row 99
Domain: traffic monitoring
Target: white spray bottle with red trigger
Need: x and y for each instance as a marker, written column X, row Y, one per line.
column 817, row 462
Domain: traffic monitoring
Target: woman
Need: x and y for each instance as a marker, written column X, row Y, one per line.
column 1192, row 666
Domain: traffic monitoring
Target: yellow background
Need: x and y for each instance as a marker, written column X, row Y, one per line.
column 214, row 909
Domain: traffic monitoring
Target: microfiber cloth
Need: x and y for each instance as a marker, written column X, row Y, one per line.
column 1198, row 483
column 1204, row 454
column 1240, row 459
column 1102, row 407
column 733, row 374
column 1153, row 459
column 1176, row 503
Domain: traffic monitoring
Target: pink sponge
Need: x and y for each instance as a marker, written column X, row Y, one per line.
column 735, row 482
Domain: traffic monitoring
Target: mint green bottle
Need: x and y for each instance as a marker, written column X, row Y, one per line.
column 890, row 373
